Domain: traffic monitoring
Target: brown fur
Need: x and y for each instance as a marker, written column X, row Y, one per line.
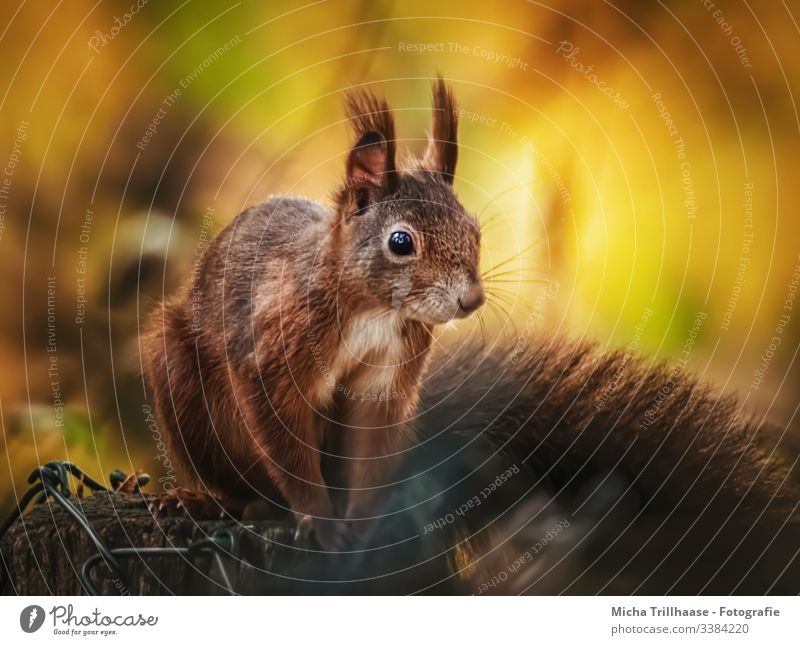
column 303, row 337
column 694, row 498
column 597, row 495
column 291, row 293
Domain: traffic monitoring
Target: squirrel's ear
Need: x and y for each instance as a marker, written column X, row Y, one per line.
column 442, row 152
column 372, row 159
column 368, row 161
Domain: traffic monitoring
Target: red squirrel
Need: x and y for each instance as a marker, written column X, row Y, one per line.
column 306, row 330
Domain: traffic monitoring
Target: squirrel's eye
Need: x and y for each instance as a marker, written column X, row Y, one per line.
column 401, row 243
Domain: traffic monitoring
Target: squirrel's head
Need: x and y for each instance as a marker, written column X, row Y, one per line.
column 404, row 237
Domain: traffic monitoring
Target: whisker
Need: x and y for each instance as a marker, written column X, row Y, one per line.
column 498, row 298
column 515, row 297
column 514, row 257
column 507, row 325
column 482, row 324
column 495, row 305
column 491, row 307
column 520, row 270
column 503, row 294
column 434, row 338
column 528, row 281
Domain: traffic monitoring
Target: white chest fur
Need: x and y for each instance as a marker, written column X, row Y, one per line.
column 373, row 339
column 368, row 358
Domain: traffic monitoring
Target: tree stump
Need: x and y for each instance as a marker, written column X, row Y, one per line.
column 46, row 549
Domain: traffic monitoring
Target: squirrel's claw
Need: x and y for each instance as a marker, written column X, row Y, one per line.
column 181, row 501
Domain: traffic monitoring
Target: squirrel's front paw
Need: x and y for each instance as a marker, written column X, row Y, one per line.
column 182, row 501
column 331, row 535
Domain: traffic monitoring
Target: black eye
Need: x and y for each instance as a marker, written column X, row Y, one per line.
column 401, row 243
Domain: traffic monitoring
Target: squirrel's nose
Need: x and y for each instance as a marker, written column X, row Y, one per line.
column 471, row 299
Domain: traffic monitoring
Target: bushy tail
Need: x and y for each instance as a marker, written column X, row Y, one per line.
column 633, row 478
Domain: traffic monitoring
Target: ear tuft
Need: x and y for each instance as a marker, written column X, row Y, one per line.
column 442, row 152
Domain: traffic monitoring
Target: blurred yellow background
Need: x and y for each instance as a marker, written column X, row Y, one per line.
column 634, row 164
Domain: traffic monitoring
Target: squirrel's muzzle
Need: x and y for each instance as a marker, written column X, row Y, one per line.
column 471, row 300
